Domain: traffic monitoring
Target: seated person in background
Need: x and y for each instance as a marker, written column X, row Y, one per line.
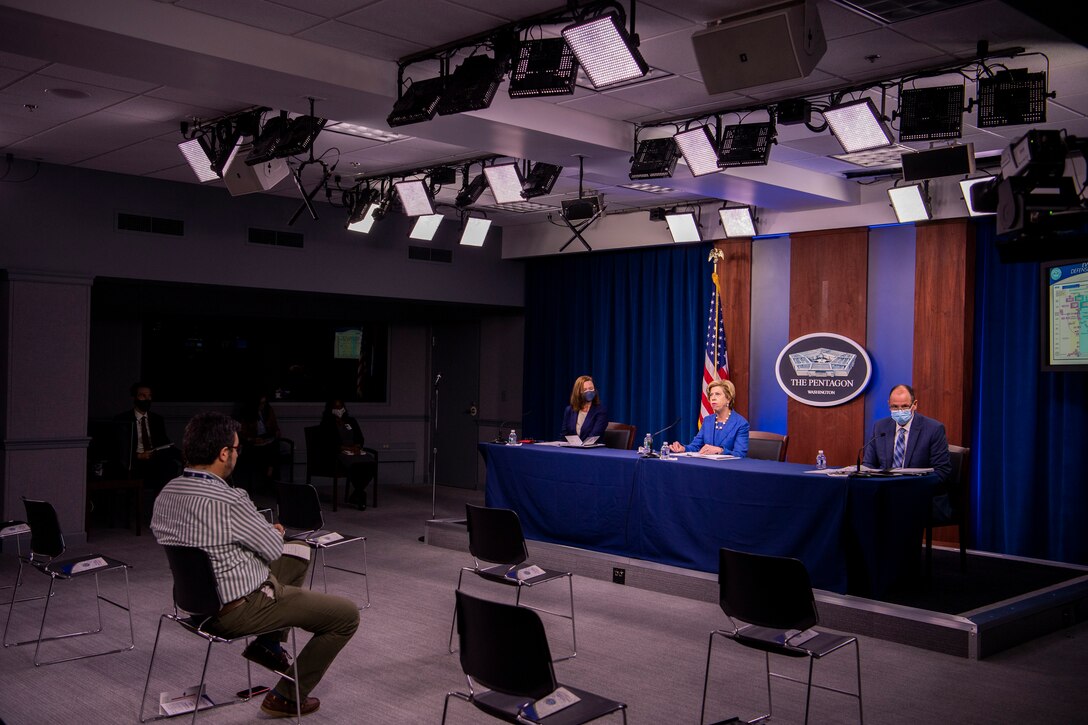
column 341, row 437
column 143, row 449
column 924, row 444
column 258, row 583
column 260, row 435
column 585, row 417
column 724, row 431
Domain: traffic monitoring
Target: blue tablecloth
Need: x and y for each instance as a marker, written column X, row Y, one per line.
column 857, row 535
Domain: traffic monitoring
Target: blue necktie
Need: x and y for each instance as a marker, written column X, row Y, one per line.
column 900, row 448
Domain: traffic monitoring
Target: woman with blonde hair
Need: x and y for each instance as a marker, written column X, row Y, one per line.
column 724, row 431
column 585, row 417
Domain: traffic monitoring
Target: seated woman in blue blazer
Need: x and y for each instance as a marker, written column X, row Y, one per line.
column 585, row 417
column 725, row 431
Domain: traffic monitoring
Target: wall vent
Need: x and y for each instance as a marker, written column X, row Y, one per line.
column 272, row 238
column 430, row 254
column 150, row 224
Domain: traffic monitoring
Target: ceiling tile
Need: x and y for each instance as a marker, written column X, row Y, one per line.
column 94, row 78
column 609, row 107
column 850, row 57
column 358, row 40
column 256, row 13
column 673, row 92
column 140, row 159
column 21, row 62
column 437, row 21
column 672, row 52
column 327, row 8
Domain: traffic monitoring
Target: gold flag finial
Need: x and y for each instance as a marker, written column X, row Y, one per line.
column 716, row 255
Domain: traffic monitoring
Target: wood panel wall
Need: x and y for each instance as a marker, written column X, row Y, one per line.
column 735, row 273
column 828, row 293
column 944, row 293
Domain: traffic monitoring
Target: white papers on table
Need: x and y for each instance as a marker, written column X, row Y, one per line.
column 707, row 456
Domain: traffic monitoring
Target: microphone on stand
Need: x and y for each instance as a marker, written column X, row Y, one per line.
column 669, row 426
column 857, row 469
column 499, row 438
column 437, row 379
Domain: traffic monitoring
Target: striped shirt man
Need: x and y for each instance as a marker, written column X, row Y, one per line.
column 199, row 509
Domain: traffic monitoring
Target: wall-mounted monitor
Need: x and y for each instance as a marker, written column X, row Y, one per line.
column 1065, row 315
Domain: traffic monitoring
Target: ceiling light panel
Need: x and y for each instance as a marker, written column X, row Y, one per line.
column 605, row 51
column 505, row 182
column 697, row 146
column 858, row 126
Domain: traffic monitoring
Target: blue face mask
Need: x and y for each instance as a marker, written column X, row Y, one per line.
column 589, row 395
column 902, row 417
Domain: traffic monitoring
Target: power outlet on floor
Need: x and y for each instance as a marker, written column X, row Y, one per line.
column 619, row 576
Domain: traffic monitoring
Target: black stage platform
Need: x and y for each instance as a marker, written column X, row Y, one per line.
column 997, row 603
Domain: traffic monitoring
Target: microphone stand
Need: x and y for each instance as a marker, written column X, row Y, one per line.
column 857, row 468
column 650, row 453
column 434, row 446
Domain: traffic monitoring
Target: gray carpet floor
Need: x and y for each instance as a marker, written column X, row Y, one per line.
column 644, row 648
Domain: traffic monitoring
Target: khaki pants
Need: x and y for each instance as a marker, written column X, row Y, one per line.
column 332, row 620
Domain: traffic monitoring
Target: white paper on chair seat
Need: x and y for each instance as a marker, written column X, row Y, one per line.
column 87, row 565
column 15, row 529
column 297, row 550
column 527, row 573
column 328, row 538
column 554, row 702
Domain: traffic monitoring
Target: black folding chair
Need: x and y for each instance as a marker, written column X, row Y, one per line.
column 769, row 602
column 494, row 535
column 196, row 605
column 46, row 546
column 300, row 513
column 508, row 666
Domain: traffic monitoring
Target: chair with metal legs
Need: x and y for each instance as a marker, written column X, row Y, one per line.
column 300, row 513
column 495, row 535
column 770, row 606
column 196, row 606
column 508, row 666
column 46, row 547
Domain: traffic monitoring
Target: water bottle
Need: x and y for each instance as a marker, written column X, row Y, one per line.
column 821, row 460
column 512, row 439
column 648, row 445
column 664, row 451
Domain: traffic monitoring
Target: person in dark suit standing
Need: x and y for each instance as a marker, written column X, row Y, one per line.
column 585, row 417
column 144, row 450
column 908, row 439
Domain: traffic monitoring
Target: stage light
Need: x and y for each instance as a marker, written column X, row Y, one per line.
column 605, row 50
column 541, row 180
column 1011, row 98
column 472, row 86
column 683, row 226
column 931, row 114
column 505, row 182
column 426, row 227
column 909, row 203
column 415, row 197
column 418, row 102
column 697, row 146
column 655, row 158
column 472, row 192
column 543, row 67
column 876, row 158
column 737, row 221
column 475, row 231
column 364, row 221
column 966, row 187
column 282, row 137
column 198, row 153
column 746, row 144
column 858, row 126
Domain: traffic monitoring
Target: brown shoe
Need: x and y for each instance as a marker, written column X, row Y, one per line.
column 278, row 706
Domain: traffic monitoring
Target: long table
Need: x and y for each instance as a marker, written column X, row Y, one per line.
column 856, row 535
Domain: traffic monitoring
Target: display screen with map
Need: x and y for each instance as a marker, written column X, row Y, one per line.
column 1065, row 310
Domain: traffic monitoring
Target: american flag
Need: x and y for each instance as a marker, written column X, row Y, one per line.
column 715, row 360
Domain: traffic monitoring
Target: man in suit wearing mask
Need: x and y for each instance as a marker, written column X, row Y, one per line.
column 144, row 450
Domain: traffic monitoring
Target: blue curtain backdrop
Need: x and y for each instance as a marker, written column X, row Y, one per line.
column 1029, row 473
column 635, row 320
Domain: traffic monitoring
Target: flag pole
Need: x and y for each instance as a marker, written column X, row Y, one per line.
column 716, row 255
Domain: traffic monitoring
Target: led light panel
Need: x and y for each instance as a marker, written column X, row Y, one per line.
column 505, row 182
column 683, row 227
column 737, row 222
column 605, row 51
column 475, row 231
column 908, row 203
column 426, row 227
column 697, row 146
column 857, row 126
column 414, row 197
